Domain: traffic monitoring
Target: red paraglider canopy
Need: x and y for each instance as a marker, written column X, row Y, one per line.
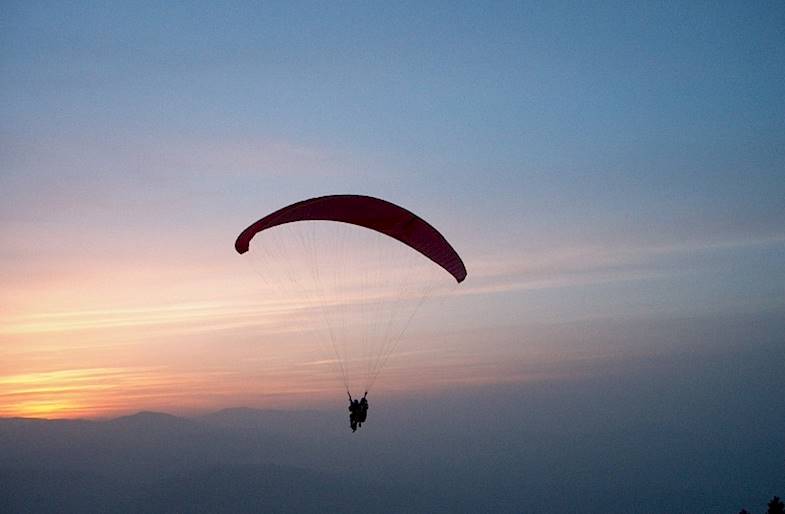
column 368, row 212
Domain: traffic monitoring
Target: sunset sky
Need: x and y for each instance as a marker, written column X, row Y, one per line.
column 598, row 170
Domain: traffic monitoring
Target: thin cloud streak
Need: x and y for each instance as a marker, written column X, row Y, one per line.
column 568, row 268
column 588, row 258
column 124, row 317
column 593, row 265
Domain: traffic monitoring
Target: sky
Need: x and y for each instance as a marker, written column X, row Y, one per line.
column 602, row 170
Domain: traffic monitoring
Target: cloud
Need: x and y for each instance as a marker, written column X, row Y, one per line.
column 183, row 313
column 585, row 265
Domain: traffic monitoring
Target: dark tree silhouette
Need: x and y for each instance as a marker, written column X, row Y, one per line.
column 744, row 511
column 776, row 506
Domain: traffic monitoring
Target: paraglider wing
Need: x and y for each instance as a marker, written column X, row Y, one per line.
column 372, row 213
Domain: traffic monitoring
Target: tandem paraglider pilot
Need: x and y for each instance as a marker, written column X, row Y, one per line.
column 358, row 411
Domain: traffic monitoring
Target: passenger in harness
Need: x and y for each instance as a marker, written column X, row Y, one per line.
column 358, row 411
